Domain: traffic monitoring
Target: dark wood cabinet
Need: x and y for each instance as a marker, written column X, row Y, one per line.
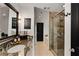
column 22, row 37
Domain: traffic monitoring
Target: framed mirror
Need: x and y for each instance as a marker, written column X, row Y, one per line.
column 8, row 20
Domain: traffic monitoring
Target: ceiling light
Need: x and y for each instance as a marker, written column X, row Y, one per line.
column 45, row 8
column 64, row 6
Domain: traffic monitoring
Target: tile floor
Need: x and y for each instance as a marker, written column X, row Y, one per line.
column 29, row 53
column 42, row 50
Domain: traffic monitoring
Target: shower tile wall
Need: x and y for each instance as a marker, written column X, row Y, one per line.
column 51, row 32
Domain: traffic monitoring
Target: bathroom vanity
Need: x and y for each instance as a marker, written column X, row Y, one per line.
column 8, row 26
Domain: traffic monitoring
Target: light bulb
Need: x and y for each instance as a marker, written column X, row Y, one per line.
column 18, row 39
column 15, row 40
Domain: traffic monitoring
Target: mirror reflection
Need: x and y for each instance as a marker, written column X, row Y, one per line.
column 7, row 21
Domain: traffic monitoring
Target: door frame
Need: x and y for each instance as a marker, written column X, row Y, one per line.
column 67, row 30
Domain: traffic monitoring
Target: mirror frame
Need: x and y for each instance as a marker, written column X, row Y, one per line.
column 17, row 15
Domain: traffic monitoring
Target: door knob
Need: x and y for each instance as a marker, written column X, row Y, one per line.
column 72, row 50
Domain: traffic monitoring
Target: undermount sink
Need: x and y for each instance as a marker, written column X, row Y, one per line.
column 17, row 49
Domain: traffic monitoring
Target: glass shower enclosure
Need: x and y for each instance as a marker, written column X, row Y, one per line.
column 56, row 33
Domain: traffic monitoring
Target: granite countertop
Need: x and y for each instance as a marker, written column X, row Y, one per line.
column 5, row 40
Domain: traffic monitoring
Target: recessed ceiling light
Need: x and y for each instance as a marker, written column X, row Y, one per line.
column 44, row 7
column 64, row 6
column 48, row 7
